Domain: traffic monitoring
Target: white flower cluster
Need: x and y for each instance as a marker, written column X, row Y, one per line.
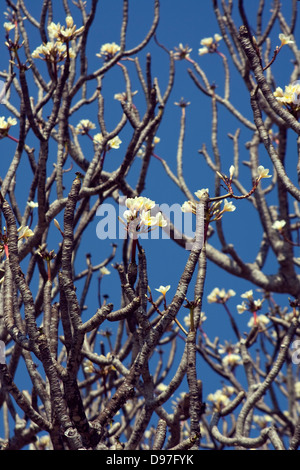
column 53, row 52
column 142, row 150
column 24, row 232
column 182, row 52
column 56, row 49
column 220, row 295
column 290, row 97
column 84, row 126
column 113, row 143
column 221, row 398
column 262, row 421
column 5, row 125
column 252, row 305
column 138, row 215
column 209, row 44
column 62, row 33
column 108, row 50
column 191, row 206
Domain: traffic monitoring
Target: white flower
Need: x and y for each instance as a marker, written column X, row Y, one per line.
column 161, row 387
column 53, row 30
column 297, row 389
column 187, row 319
column 8, row 26
column 147, row 219
column 228, row 348
column 120, row 96
column 228, row 390
column 42, row 443
column 84, row 126
column 163, row 289
column 279, row 224
column 113, row 143
column 106, row 358
column 203, row 50
column 228, row 206
column 188, row 206
column 206, row 42
column 278, row 93
column 5, row 125
column 260, row 321
column 160, row 221
column 232, row 360
column 32, row 204
column 215, row 295
column 262, row 421
column 108, row 50
column 37, row 52
column 200, row 193
column 98, row 138
column 241, row 308
column 263, row 172
column 123, row 96
column 248, row 294
column 88, row 367
column 182, row 52
column 203, row 317
column 25, row 232
column 220, row 296
column 258, row 303
column 141, row 152
column 104, row 271
column 129, row 215
column 285, row 39
column 219, row 399
column 231, row 293
column 146, row 202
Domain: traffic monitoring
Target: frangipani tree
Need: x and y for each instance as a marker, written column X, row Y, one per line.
column 131, row 390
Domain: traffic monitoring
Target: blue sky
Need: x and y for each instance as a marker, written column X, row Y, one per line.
column 180, row 22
